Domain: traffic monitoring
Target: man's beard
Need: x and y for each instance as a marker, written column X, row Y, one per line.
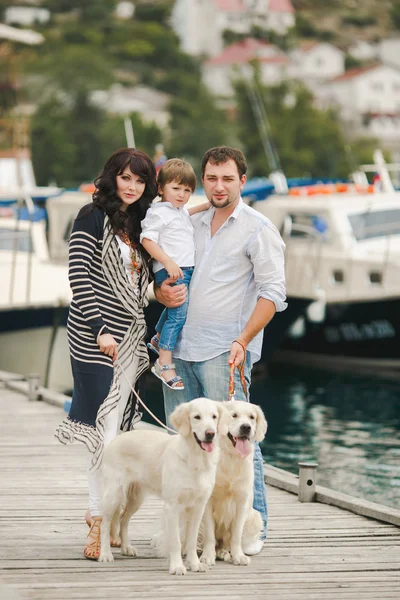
column 218, row 205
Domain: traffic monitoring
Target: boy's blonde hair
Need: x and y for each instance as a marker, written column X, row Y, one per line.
column 177, row 169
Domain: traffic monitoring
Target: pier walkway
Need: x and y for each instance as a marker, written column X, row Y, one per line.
column 314, row 551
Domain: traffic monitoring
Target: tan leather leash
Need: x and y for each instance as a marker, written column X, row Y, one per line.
column 231, row 389
column 141, row 401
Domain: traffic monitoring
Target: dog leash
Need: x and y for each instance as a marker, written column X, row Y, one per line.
column 231, row 389
column 141, row 401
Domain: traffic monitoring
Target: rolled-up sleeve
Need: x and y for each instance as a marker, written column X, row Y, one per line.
column 152, row 225
column 266, row 250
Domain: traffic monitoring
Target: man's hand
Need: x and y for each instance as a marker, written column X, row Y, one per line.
column 171, row 296
column 237, row 354
column 108, row 345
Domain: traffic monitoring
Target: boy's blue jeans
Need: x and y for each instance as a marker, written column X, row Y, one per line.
column 172, row 320
column 210, row 379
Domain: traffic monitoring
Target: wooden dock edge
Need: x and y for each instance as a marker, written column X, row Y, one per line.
column 273, row 476
column 290, row 482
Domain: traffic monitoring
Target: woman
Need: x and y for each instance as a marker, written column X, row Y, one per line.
column 109, row 276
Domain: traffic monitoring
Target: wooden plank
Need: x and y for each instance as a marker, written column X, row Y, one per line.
column 314, row 551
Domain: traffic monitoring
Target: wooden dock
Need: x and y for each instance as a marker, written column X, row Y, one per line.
column 314, row 551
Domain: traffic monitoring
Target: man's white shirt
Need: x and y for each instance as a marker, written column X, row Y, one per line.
column 242, row 262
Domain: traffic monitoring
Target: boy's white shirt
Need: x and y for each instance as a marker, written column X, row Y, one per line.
column 172, row 229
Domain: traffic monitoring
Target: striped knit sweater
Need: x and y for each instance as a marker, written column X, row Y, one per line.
column 103, row 302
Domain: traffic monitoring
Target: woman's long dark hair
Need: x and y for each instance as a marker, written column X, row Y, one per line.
column 105, row 195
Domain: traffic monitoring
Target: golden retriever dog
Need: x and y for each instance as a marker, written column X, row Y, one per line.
column 180, row 469
column 229, row 519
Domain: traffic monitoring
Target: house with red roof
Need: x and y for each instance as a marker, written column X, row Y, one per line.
column 314, row 62
column 368, row 100
column 234, row 61
column 200, row 24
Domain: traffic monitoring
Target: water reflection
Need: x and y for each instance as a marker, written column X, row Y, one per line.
column 349, row 425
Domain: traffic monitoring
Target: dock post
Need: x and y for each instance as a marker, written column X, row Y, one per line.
column 33, row 386
column 307, row 481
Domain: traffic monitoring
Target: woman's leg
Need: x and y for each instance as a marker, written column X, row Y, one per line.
column 112, row 423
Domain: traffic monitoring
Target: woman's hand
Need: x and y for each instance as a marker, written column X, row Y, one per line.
column 171, row 295
column 174, row 271
column 108, row 345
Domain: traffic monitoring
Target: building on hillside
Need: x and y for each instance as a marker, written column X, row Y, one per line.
column 26, row 15
column 368, row 101
column 362, row 50
column 314, row 62
column 219, row 71
column 119, row 100
column 389, row 51
column 200, row 24
column 124, row 10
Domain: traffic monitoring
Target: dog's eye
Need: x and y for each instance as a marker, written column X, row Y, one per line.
column 234, row 415
column 214, row 417
column 252, row 417
column 198, row 417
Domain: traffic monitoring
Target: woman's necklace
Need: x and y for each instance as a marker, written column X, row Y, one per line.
column 135, row 266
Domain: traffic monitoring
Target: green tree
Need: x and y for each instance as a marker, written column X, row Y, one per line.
column 309, row 142
column 70, row 144
column 197, row 124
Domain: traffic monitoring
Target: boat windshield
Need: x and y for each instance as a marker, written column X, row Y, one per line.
column 15, row 240
column 374, row 224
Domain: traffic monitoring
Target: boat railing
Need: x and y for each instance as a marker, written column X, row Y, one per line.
column 15, row 235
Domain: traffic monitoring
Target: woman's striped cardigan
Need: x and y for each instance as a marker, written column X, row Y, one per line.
column 103, row 301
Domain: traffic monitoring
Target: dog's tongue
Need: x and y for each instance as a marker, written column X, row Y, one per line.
column 243, row 447
column 207, row 446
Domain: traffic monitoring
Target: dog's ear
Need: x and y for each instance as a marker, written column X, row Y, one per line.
column 262, row 425
column 179, row 419
column 223, row 419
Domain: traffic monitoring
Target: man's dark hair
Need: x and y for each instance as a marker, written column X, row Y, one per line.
column 221, row 154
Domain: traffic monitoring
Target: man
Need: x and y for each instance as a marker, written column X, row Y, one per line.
column 237, row 286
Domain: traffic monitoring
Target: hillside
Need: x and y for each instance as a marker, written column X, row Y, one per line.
column 344, row 21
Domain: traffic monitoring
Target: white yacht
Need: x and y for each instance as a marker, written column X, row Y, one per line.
column 344, row 242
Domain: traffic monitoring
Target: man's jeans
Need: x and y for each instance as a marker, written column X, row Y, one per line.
column 172, row 320
column 210, row 378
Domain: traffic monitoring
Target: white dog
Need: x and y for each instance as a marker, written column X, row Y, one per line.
column 180, row 469
column 229, row 519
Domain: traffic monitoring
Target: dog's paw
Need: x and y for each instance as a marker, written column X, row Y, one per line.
column 197, row 567
column 208, row 558
column 128, row 550
column 178, row 569
column 223, row 554
column 106, row 556
column 240, row 559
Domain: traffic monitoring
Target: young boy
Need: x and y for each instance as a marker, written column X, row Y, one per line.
column 168, row 236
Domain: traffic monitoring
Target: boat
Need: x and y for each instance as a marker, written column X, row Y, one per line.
column 34, row 300
column 344, row 241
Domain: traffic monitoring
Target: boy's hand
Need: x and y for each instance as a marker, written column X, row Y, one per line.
column 174, row 271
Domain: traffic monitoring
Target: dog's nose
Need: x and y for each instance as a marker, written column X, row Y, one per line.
column 210, row 435
column 245, row 429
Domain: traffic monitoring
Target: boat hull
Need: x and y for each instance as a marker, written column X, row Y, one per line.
column 360, row 335
column 34, row 340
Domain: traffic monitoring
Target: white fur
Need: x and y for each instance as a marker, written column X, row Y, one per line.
column 175, row 468
column 229, row 519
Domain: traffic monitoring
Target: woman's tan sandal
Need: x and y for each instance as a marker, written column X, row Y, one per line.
column 173, row 383
column 92, row 549
column 113, row 543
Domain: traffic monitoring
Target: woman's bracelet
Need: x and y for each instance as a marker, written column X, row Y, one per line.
column 241, row 344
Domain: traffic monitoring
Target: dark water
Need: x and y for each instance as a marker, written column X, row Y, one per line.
column 349, row 425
